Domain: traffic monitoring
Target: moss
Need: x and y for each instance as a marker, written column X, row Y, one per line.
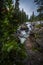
column 35, row 49
column 38, row 26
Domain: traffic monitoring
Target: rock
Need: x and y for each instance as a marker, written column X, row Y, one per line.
column 39, row 40
column 35, row 57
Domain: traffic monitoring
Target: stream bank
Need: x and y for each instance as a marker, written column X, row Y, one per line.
column 34, row 49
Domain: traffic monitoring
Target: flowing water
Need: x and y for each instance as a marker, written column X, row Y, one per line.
column 23, row 35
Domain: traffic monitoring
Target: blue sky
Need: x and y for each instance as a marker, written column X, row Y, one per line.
column 28, row 6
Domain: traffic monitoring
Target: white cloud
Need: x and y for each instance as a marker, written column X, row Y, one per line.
column 26, row 9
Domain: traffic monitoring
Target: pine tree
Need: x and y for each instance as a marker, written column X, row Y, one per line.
column 10, row 50
column 32, row 17
column 17, row 5
column 40, row 8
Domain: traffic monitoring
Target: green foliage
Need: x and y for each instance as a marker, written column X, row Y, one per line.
column 24, row 17
column 32, row 18
column 10, row 50
column 10, row 45
column 40, row 8
column 38, row 26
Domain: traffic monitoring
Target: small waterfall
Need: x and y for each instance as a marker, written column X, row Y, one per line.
column 24, row 32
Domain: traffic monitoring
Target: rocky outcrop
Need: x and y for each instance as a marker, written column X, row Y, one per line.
column 39, row 39
column 34, row 48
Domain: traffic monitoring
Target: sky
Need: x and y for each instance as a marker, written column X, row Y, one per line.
column 28, row 6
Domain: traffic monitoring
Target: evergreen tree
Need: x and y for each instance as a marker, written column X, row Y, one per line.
column 24, row 16
column 40, row 8
column 16, row 13
column 10, row 50
column 32, row 17
column 17, row 5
